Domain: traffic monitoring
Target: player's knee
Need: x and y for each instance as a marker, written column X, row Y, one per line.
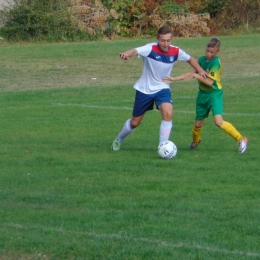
column 198, row 125
column 167, row 115
column 218, row 123
column 134, row 123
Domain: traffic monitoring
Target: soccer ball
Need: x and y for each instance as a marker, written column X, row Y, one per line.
column 167, row 150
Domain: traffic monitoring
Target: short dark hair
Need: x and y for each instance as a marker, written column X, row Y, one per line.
column 214, row 43
column 164, row 30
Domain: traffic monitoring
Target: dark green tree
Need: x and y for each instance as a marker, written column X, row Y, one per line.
column 29, row 20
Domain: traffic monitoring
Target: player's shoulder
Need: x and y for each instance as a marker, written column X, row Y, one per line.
column 216, row 60
column 174, row 47
column 173, row 50
column 147, row 46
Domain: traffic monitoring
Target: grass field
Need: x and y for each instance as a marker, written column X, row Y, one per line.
column 65, row 195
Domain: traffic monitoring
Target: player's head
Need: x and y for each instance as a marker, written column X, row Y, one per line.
column 212, row 48
column 164, row 38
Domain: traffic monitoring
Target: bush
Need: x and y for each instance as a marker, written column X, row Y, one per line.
column 34, row 20
column 136, row 17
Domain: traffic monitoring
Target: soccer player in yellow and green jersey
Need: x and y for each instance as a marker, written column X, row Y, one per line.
column 210, row 96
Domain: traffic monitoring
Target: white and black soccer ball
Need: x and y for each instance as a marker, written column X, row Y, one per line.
column 167, row 150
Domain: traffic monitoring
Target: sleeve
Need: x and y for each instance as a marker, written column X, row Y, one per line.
column 183, row 56
column 214, row 70
column 144, row 50
column 215, row 74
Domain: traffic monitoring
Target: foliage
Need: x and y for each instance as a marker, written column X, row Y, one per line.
column 39, row 20
column 244, row 14
column 138, row 15
column 195, row 6
column 54, row 20
column 224, row 14
column 214, row 7
column 169, row 7
column 128, row 12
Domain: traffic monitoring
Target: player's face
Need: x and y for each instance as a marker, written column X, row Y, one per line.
column 164, row 41
column 211, row 52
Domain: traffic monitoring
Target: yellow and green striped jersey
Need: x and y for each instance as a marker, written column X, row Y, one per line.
column 214, row 69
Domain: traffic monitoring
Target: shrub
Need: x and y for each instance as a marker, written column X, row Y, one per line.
column 30, row 20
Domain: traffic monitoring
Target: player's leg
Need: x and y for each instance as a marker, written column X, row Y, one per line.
column 202, row 112
column 196, row 134
column 163, row 102
column 228, row 128
column 129, row 127
column 166, row 124
column 142, row 103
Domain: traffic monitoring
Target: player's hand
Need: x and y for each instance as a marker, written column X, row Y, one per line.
column 123, row 56
column 204, row 74
column 168, row 79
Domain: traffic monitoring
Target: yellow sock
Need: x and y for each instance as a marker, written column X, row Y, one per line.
column 231, row 130
column 196, row 135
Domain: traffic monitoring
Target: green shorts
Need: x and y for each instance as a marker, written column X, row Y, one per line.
column 209, row 100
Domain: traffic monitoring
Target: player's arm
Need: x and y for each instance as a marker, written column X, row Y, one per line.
column 189, row 75
column 126, row 55
column 207, row 81
column 185, row 76
column 197, row 67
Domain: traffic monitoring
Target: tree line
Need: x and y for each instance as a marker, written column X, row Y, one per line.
column 56, row 20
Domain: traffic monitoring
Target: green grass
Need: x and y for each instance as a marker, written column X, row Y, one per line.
column 65, row 195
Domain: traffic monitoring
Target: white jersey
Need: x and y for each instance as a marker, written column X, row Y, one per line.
column 157, row 65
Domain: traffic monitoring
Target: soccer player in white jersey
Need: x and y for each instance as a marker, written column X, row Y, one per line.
column 158, row 59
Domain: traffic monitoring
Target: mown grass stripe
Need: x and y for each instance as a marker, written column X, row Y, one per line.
column 130, row 108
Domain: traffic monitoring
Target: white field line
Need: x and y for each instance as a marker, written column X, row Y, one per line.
column 160, row 243
column 130, row 108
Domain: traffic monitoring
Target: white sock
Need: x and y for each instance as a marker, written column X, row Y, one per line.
column 126, row 130
column 165, row 130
